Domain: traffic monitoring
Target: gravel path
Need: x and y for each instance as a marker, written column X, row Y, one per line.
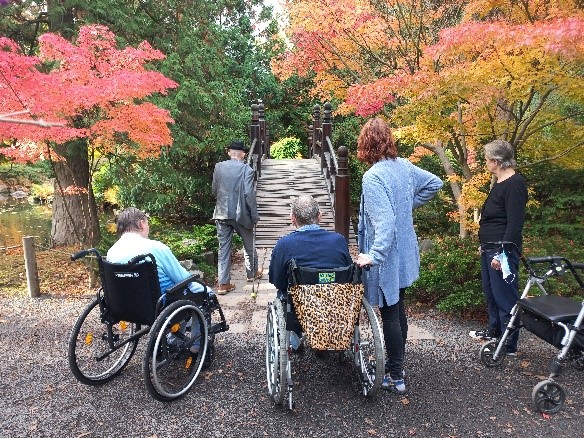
column 450, row 393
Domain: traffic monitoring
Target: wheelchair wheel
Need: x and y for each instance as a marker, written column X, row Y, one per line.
column 210, row 355
column 548, row 396
column 93, row 355
column 170, row 369
column 368, row 351
column 488, row 351
column 276, row 355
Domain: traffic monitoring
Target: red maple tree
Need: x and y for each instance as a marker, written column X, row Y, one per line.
column 92, row 94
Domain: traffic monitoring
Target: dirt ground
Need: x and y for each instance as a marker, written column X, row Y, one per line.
column 450, row 393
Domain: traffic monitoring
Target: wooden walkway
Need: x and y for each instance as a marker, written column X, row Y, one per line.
column 281, row 181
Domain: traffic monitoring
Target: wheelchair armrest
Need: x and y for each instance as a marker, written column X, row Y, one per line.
column 85, row 253
column 194, row 278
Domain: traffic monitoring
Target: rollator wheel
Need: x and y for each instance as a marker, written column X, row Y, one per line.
column 548, row 396
column 89, row 341
column 369, row 352
column 170, row 369
column 276, row 355
column 488, row 351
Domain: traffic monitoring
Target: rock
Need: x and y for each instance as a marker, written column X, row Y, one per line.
column 187, row 264
column 426, row 245
column 210, row 258
column 4, row 189
column 18, row 194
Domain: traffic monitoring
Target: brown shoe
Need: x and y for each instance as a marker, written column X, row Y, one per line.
column 224, row 288
column 259, row 274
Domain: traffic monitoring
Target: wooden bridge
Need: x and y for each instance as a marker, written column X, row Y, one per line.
column 324, row 175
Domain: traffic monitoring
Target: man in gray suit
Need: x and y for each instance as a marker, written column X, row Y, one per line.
column 235, row 211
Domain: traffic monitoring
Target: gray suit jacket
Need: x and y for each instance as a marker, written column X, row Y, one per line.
column 233, row 188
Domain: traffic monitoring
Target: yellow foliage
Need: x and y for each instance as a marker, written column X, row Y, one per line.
column 111, row 195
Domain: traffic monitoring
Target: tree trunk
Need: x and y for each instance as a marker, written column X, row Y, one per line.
column 74, row 209
column 439, row 150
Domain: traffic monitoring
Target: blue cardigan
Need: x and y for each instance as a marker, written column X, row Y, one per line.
column 392, row 189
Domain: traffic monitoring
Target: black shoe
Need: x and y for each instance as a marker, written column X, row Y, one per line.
column 483, row 335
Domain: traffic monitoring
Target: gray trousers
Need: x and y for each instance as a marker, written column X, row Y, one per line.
column 225, row 229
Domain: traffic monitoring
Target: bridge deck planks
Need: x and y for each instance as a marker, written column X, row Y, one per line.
column 281, row 181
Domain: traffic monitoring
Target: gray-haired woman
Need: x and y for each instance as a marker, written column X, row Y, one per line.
column 502, row 218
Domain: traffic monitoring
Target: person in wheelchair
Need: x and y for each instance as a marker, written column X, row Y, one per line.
column 311, row 246
column 133, row 230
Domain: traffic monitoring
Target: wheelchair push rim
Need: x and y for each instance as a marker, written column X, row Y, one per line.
column 170, row 369
column 276, row 354
column 95, row 354
column 368, row 351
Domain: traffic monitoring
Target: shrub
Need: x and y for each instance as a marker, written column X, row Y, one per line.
column 286, row 148
column 450, row 272
column 42, row 192
column 186, row 244
column 450, row 275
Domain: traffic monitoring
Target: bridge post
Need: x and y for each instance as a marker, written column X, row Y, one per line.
column 342, row 193
column 254, row 134
column 327, row 130
column 316, row 132
column 262, row 123
column 310, row 141
column 254, row 131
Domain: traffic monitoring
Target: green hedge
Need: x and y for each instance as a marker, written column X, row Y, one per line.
column 450, row 276
column 287, row 148
column 450, row 272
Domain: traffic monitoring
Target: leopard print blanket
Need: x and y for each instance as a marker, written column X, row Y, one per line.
column 328, row 324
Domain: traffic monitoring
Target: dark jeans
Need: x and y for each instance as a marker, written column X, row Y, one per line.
column 395, row 334
column 500, row 295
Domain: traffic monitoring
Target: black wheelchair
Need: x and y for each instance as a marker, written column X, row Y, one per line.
column 334, row 316
column 557, row 320
column 127, row 306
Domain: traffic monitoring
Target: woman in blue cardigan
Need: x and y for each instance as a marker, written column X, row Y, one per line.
column 392, row 188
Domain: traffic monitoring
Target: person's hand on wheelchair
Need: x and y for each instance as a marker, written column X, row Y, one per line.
column 364, row 261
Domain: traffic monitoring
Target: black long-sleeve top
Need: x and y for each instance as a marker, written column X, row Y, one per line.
column 503, row 212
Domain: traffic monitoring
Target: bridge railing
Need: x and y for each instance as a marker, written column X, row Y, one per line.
column 335, row 169
column 259, row 139
column 334, row 165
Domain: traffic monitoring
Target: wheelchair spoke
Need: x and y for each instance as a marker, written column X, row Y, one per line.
column 97, row 353
column 173, row 369
column 369, row 358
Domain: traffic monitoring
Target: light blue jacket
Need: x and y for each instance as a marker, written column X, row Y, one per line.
column 170, row 271
column 392, row 189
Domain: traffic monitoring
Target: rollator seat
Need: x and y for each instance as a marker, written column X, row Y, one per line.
column 552, row 307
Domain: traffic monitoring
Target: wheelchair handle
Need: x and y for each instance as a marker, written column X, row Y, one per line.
column 84, row 253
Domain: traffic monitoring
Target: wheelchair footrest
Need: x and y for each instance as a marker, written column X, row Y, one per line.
column 219, row 327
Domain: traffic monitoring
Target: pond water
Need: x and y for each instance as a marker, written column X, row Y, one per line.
column 19, row 218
